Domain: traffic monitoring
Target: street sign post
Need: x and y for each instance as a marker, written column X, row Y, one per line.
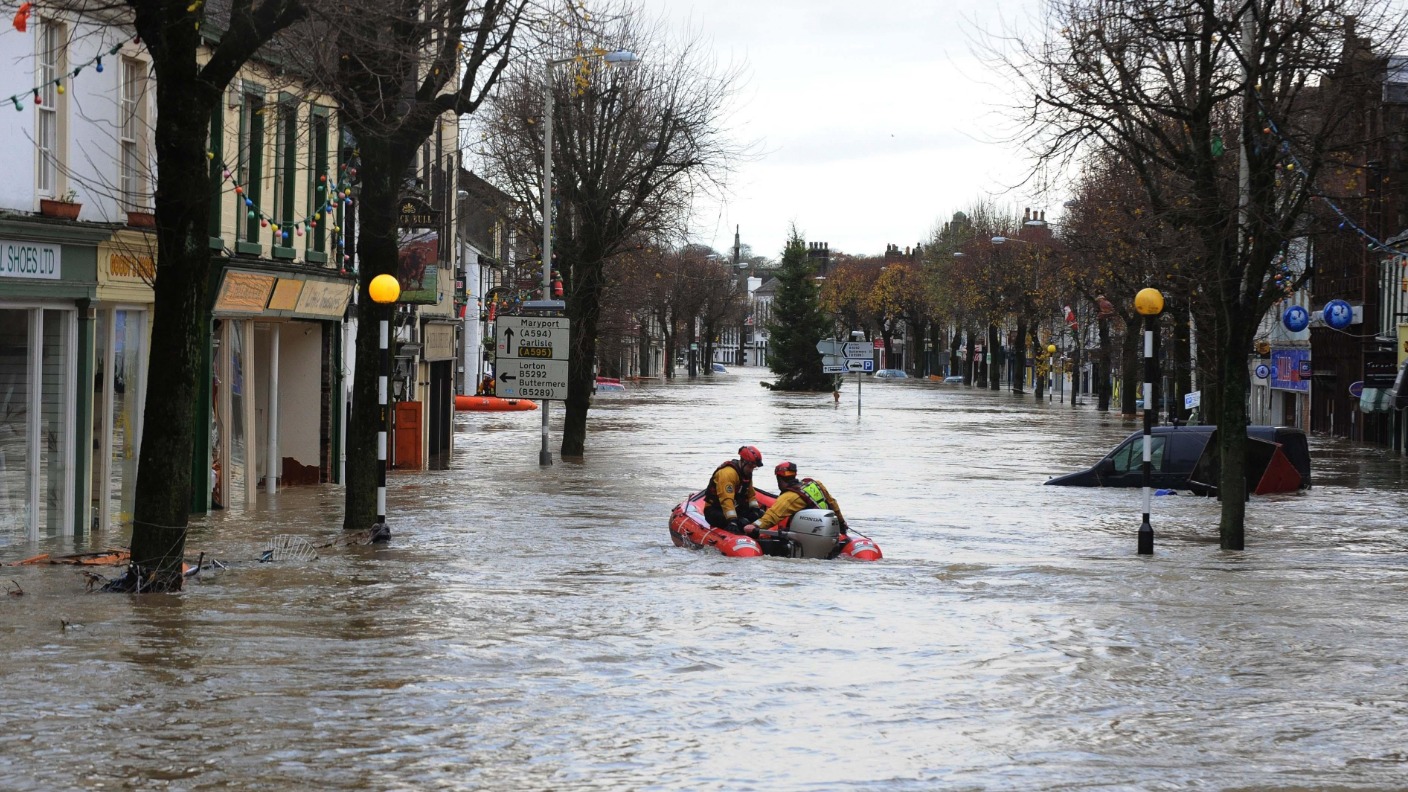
column 523, row 378
column 857, row 350
column 537, row 337
column 532, row 357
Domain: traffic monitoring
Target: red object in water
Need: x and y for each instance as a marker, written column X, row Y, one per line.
column 492, row 404
column 1280, row 475
column 688, row 528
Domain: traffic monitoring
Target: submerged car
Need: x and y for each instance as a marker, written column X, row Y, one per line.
column 1184, row 458
column 891, row 374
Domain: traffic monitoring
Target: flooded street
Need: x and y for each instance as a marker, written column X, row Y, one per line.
column 534, row 628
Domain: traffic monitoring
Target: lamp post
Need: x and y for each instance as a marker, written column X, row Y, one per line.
column 1149, row 303
column 384, row 289
column 857, row 335
column 1051, row 369
column 548, row 303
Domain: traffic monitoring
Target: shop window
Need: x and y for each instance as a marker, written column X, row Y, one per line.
column 36, row 423
column 318, row 186
column 285, row 174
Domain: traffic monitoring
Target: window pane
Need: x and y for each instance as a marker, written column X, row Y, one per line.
column 14, row 425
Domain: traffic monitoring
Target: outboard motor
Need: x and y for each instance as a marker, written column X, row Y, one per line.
column 814, row 533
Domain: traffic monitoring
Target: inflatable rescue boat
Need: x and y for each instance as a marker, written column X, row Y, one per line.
column 810, row 533
column 492, row 404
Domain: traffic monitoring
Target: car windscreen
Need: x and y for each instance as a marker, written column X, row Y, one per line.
column 1129, row 457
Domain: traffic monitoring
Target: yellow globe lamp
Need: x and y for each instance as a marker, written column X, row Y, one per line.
column 1149, row 302
column 1050, row 349
column 385, row 289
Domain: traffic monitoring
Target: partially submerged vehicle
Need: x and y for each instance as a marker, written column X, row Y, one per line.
column 608, row 385
column 810, row 533
column 1185, row 458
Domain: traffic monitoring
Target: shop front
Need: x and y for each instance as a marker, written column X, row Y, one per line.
column 276, row 382
column 47, row 285
column 122, row 336
column 1288, row 381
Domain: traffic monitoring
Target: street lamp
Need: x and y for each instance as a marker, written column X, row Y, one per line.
column 1149, row 303
column 384, row 289
column 1051, row 367
column 548, row 303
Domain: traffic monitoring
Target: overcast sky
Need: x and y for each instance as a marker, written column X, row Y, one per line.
column 872, row 120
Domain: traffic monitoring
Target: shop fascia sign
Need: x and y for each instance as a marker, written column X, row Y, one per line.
column 30, row 260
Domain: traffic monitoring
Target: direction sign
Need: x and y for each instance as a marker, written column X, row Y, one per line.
column 833, row 369
column 526, row 378
column 860, row 365
column 833, row 360
column 857, row 350
column 828, row 346
column 533, row 337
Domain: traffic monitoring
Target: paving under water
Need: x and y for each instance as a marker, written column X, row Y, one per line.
column 534, row 628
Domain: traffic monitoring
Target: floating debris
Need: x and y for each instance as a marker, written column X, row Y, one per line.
column 288, row 547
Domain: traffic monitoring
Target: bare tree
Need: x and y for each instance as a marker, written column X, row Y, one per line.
column 396, row 70
column 631, row 147
column 193, row 63
column 1170, row 85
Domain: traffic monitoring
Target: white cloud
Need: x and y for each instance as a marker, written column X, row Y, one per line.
column 874, row 121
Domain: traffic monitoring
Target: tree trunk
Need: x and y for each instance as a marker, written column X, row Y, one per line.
column 376, row 255
column 993, row 360
column 180, row 333
column 1102, row 368
column 1039, row 353
column 584, row 310
column 1232, row 421
column 1019, row 366
column 1182, row 359
column 1131, row 368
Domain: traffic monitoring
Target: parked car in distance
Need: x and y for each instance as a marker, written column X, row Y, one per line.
column 891, row 374
column 609, row 385
column 953, row 379
column 1178, row 461
column 719, row 369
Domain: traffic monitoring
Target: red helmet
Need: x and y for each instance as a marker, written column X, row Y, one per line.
column 750, row 455
column 786, row 473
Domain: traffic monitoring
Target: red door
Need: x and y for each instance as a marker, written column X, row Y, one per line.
column 405, row 448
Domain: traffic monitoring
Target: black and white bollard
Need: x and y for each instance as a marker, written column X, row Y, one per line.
column 1149, row 303
column 384, row 291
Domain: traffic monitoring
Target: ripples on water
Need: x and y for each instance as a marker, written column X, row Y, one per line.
column 535, row 629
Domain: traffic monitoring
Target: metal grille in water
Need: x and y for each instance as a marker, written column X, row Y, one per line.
column 286, row 547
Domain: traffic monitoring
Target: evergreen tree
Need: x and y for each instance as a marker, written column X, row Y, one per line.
column 797, row 323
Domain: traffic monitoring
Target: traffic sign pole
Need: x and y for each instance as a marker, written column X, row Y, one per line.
column 532, row 362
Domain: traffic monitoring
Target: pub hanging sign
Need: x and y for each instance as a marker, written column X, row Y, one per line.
column 416, row 213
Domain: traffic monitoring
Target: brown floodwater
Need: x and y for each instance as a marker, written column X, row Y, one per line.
column 534, row 628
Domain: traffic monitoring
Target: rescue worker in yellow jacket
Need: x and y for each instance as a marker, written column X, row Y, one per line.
column 793, row 496
column 730, row 500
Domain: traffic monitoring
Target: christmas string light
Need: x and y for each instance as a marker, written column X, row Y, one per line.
column 341, row 197
column 58, row 82
column 1346, row 222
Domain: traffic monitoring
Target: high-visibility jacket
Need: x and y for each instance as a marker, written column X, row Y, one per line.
column 805, row 494
column 731, row 484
